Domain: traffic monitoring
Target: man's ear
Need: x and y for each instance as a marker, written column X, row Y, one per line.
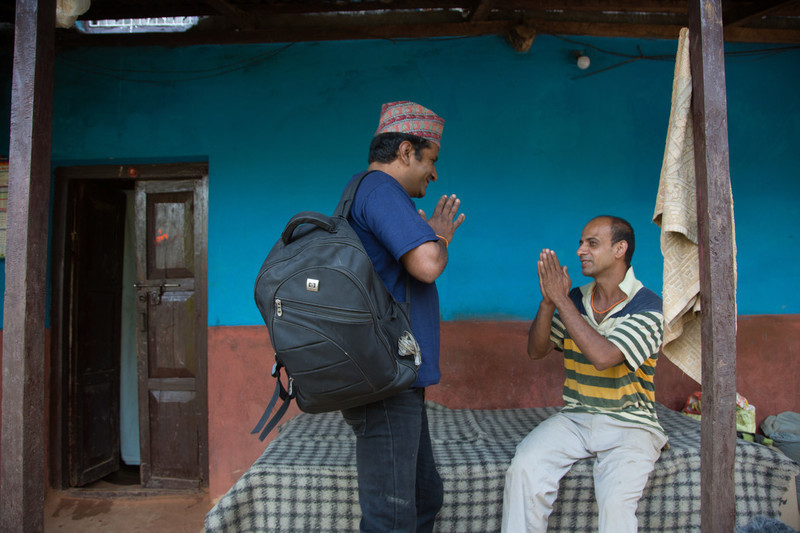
column 405, row 152
column 620, row 249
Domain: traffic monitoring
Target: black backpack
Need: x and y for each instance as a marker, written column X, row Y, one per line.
column 342, row 337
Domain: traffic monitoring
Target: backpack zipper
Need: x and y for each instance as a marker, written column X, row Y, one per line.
column 342, row 315
column 356, row 281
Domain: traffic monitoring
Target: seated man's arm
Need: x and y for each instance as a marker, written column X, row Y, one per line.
column 539, row 343
column 600, row 351
column 555, row 284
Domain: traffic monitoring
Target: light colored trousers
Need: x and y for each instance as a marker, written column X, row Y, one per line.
column 624, row 457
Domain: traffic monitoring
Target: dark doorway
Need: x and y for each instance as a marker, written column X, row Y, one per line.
column 129, row 327
column 94, row 274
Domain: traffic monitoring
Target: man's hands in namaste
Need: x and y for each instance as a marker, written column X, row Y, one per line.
column 554, row 281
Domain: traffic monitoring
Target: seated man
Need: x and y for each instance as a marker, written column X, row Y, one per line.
column 610, row 332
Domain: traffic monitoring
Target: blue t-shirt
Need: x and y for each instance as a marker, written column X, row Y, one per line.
column 385, row 218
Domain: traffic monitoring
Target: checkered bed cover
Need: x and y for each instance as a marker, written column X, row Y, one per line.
column 306, row 478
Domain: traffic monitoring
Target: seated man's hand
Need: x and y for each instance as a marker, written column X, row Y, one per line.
column 554, row 281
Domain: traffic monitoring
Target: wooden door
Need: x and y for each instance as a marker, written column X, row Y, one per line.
column 171, row 337
column 95, row 244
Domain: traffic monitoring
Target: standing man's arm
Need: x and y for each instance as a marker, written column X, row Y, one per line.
column 426, row 262
column 555, row 284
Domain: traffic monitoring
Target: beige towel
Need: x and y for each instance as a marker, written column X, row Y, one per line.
column 676, row 214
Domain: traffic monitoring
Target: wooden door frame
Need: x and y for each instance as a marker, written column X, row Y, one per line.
column 58, row 405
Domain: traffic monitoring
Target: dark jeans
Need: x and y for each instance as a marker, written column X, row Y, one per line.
column 399, row 488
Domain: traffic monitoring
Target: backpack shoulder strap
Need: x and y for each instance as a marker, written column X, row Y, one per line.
column 343, row 209
column 280, row 391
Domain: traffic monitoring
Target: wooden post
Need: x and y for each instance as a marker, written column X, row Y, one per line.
column 717, row 282
column 23, row 423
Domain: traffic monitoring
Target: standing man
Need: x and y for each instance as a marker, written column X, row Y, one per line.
column 610, row 332
column 399, row 488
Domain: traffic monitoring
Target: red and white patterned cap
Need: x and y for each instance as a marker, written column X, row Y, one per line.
column 408, row 117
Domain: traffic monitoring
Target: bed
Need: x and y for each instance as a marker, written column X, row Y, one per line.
column 306, row 478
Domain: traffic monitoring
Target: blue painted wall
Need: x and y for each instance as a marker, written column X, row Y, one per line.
column 533, row 149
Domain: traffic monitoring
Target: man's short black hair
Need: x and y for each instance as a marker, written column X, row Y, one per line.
column 383, row 148
column 621, row 230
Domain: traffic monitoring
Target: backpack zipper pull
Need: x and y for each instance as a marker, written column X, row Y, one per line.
column 278, row 307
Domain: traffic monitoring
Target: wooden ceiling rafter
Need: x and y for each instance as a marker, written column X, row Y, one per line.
column 482, row 10
column 235, row 14
column 281, row 34
column 762, row 9
column 473, row 9
column 270, row 21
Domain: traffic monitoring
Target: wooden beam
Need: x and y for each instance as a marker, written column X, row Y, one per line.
column 290, row 34
column 602, row 29
column 761, row 35
column 482, row 10
column 23, row 427
column 639, row 6
column 396, row 19
column 762, row 8
column 347, row 30
column 521, row 38
column 117, row 10
column 717, row 274
column 239, row 18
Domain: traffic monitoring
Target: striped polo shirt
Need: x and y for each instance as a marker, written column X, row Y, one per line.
column 635, row 326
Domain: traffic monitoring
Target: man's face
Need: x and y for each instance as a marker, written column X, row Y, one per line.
column 595, row 250
column 422, row 171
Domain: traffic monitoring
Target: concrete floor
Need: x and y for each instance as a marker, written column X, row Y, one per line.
column 119, row 504
column 75, row 512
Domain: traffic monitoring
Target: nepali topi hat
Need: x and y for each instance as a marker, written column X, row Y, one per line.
column 412, row 118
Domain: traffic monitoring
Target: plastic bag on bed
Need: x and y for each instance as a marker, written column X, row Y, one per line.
column 745, row 413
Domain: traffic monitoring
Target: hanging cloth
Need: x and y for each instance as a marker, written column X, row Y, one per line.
column 676, row 214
